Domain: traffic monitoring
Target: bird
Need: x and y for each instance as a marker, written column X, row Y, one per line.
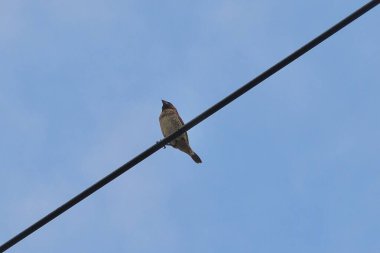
column 170, row 121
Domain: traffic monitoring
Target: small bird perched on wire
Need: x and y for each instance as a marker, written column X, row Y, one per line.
column 170, row 121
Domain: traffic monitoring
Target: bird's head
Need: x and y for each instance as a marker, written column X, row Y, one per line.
column 167, row 105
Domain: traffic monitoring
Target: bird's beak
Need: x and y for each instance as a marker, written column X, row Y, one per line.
column 164, row 102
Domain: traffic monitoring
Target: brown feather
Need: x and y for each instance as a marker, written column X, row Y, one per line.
column 170, row 121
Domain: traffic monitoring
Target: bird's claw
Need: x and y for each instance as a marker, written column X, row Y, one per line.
column 163, row 146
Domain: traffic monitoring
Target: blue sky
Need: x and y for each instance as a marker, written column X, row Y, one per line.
column 292, row 166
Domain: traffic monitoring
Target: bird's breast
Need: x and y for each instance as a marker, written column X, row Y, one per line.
column 169, row 122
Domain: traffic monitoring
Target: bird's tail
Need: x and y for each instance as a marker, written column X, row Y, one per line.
column 195, row 157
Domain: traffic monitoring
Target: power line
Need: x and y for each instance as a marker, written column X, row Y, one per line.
column 275, row 68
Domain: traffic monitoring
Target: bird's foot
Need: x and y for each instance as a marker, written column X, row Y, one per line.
column 164, row 145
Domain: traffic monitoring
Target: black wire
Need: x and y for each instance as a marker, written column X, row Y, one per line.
column 81, row 196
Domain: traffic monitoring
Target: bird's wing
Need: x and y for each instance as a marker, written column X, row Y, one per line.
column 185, row 134
column 180, row 119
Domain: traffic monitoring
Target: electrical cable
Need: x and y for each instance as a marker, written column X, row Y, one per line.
column 213, row 109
